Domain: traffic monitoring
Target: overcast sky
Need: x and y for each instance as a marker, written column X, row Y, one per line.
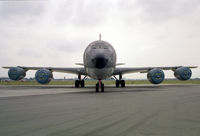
column 56, row 32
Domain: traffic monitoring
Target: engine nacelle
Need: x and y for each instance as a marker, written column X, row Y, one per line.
column 16, row 73
column 156, row 76
column 183, row 73
column 43, row 76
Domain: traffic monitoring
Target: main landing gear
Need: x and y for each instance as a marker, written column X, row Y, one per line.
column 99, row 85
column 120, row 82
column 80, row 82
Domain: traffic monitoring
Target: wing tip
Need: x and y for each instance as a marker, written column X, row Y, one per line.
column 193, row 66
column 6, row 67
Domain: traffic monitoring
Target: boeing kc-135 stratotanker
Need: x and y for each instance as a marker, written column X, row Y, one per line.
column 99, row 62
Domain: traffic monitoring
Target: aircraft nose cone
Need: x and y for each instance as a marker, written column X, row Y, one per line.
column 100, row 61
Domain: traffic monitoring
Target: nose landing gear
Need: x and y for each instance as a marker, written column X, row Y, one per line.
column 99, row 85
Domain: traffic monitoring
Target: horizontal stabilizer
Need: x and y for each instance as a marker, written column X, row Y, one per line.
column 118, row 64
column 81, row 64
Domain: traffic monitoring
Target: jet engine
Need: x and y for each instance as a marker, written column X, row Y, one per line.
column 183, row 73
column 16, row 73
column 156, row 76
column 43, row 76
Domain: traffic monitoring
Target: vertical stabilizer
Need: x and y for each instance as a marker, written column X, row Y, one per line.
column 99, row 37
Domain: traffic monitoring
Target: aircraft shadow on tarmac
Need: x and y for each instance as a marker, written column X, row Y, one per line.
column 112, row 89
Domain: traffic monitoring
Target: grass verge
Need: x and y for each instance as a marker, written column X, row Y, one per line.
column 93, row 82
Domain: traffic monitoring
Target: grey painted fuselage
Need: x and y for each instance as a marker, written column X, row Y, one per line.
column 99, row 60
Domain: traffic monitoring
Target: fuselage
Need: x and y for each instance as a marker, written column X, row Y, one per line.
column 99, row 60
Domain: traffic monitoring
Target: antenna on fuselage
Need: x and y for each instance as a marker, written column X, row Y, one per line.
column 99, row 37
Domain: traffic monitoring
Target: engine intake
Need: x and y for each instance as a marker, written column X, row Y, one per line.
column 183, row 73
column 43, row 76
column 156, row 76
column 16, row 73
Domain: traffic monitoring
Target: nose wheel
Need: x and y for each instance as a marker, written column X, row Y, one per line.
column 99, row 85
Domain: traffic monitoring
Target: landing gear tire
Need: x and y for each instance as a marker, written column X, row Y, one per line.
column 79, row 83
column 117, row 83
column 102, row 87
column 76, row 83
column 82, row 82
column 122, row 83
column 97, row 87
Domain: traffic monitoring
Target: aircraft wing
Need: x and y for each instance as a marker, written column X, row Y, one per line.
column 121, row 71
column 77, row 70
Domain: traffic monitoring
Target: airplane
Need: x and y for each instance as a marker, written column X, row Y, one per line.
column 99, row 62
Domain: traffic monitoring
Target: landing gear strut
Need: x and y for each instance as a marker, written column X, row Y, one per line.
column 80, row 82
column 99, row 85
column 120, row 82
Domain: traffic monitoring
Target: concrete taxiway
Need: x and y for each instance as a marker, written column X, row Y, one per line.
column 144, row 110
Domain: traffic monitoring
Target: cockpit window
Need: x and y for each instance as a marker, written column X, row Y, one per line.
column 93, row 47
column 99, row 46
